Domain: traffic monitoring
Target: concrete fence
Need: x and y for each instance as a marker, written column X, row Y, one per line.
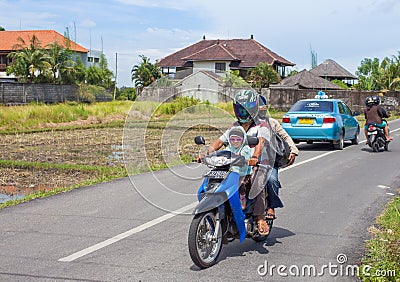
column 23, row 93
column 281, row 99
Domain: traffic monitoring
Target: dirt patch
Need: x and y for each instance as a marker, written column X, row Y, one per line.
column 93, row 147
column 90, row 120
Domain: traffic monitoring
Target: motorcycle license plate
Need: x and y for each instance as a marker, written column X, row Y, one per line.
column 372, row 132
column 216, row 174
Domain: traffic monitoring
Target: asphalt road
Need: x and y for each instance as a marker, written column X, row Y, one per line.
column 124, row 230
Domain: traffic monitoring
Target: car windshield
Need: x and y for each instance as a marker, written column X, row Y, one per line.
column 312, row 106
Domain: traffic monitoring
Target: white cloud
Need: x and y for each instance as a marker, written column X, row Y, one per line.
column 87, row 23
column 346, row 31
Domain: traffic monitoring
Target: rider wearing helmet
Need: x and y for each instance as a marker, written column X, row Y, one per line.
column 245, row 105
column 273, row 184
column 374, row 114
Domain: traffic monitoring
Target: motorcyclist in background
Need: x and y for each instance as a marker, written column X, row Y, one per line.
column 374, row 114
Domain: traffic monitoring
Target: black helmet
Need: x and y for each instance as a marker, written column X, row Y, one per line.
column 245, row 105
column 263, row 107
column 376, row 100
column 369, row 101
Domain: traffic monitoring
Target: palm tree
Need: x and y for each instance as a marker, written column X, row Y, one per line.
column 389, row 74
column 60, row 60
column 145, row 73
column 33, row 58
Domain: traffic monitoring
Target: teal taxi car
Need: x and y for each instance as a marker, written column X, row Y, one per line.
column 322, row 120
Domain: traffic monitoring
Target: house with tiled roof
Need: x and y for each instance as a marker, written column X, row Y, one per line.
column 305, row 80
column 10, row 41
column 331, row 70
column 220, row 56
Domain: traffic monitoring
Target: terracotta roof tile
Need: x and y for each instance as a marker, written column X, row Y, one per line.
column 8, row 39
column 213, row 52
column 248, row 51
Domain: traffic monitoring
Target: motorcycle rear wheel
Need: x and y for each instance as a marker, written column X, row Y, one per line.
column 203, row 249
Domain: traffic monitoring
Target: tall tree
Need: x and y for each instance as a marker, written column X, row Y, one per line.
column 145, row 73
column 107, row 75
column 389, row 74
column 368, row 73
column 262, row 76
column 100, row 75
column 60, row 60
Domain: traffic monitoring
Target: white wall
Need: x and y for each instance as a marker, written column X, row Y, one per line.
column 209, row 65
column 200, row 86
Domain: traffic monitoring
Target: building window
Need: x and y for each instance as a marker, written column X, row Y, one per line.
column 3, row 59
column 220, row 67
column 90, row 59
column 96, row 60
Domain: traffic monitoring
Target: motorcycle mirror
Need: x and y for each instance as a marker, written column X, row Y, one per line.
column 252, row 141
column 199, row 140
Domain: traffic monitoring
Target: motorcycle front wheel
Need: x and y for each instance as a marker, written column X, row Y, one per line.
column 204, row 244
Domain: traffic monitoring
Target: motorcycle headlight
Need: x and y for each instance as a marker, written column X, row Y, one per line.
column 218, row 160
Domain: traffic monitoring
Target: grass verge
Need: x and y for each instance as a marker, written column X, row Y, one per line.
column 382, row 259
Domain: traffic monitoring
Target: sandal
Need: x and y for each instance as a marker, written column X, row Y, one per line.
column 271, row 214
column 262, row 226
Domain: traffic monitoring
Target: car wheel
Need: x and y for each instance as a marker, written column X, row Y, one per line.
column 355, row 141
column 339, row 144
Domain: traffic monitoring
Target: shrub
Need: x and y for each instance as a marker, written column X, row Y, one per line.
column 177, row 105
column 88, row 93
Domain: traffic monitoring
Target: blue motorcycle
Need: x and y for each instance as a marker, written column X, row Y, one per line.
column 219, row 218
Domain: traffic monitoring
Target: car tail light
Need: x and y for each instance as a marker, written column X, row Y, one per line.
column 329, row 120
column 286, row 120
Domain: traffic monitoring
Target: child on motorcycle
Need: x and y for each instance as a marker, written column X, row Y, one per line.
column 238, row 145
column 245, row 105
column 374, row 114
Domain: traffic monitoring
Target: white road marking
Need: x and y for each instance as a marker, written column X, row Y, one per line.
column 307, row 161
column 383, row 187
column 390, row 194
column 165, row 217
column 126, row 234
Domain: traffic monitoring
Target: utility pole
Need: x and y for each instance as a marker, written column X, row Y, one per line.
column 116, row 74
column 74, row 32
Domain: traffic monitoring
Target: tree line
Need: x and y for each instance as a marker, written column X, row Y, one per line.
column 377, row 75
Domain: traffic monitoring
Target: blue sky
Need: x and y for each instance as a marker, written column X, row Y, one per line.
column 342, row 30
